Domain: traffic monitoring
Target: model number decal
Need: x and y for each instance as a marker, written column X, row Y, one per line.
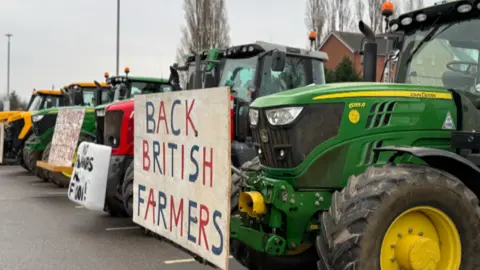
column 357, row 105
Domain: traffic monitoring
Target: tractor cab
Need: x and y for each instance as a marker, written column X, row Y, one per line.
column 87, row 94
column 438, row 47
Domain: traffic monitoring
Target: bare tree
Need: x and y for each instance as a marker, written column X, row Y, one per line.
column 359, row 9
column 316, row 18
column 206, row 28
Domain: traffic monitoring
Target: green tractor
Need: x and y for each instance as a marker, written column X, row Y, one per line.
column 372, row 176
column 80, row 95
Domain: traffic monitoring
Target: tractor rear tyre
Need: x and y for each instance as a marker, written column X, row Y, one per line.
column 402, row 217
column 254, row 260
column 127, row 189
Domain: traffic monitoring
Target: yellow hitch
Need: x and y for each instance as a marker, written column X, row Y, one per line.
column 252, row 203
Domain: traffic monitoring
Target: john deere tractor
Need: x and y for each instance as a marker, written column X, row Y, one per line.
column 80, row 95
column 373, row 176
column 18, row 126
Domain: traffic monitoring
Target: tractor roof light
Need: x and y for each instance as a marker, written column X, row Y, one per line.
column 406, row 21
column 106, row 75
column 394, row 27
column 127, row 70
column 387, row 9
column 478, row 5
column 464, row 8
column 421, row 17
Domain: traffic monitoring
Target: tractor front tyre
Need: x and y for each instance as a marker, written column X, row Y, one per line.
column 127, row 189
column 401, row 217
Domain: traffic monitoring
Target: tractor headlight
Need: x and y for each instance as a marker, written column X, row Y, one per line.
column 37, row 118
column 283, row 116
column 101, row 113
column 253, row 115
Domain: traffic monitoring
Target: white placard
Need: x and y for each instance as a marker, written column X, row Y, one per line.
column 89, row 177
column 2, row 140
column 182, row 169
column 65, row 136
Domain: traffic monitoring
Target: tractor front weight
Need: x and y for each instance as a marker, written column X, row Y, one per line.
column 275, row 218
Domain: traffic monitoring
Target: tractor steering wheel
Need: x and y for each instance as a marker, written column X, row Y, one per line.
column 450, row 66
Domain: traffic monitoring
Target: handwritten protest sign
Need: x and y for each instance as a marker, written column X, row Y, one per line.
column 182, row 169
column 89, row 178
column 64, row 142
column 2, row 138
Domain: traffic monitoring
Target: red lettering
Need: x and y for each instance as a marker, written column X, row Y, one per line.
column 208, row 164
column 178, row 216
column 162, row 116
column 145, row 156
column 201, row 226
column 183, row 160
column 164, row 168
column 188, row 110
column 151, row 201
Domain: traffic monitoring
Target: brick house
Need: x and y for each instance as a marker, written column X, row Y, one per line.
column 339, row 44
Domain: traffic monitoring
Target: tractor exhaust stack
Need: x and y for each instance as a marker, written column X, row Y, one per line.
column 369, row 53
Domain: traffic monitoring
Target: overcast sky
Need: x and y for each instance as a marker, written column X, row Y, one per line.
column 56, row 42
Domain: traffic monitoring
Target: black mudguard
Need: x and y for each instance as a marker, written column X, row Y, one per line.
column 443, row 160
column 116, row 171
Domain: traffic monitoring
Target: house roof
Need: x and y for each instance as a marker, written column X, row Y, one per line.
column 353, row 41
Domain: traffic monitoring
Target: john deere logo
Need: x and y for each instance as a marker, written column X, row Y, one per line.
column 264, row 135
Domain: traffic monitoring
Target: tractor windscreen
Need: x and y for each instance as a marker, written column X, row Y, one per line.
column 44, row 102
column 136, row 87
column 239, row 74
column 450, row 58
column 89, row 97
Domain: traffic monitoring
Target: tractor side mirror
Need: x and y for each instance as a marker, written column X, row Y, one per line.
column 241, row 119
column 278, row 60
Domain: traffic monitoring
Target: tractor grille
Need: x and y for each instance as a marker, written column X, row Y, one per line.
column 113, row 126
column 100, row 129
column 316, row 124
column 48, row 121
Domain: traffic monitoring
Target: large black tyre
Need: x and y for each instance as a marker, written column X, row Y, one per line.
column 360, row 215
column 127, row 189
column 43, row 173
column 252, row 259
column 25, row 162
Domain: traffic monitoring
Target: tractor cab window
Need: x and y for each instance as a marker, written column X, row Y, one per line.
column 106, row 96
column 238, row 74
column 449, row 59
column 120, row 92
column 36, row 103
column 294, row 75
column 51, row 102
column 89, row 97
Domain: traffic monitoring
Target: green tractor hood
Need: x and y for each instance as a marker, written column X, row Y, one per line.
column 325, row 92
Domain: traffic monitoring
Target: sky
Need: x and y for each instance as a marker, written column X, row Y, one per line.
column 57, row 42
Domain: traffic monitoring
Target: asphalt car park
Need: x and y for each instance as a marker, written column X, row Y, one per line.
column 43, row 229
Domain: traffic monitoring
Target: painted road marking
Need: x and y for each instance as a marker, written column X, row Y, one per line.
column 184, row 260
column 123, row 228
column 79, row 206
column 57, row 193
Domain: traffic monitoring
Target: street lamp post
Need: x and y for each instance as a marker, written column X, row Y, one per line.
column 118, row 34
column 6, row 104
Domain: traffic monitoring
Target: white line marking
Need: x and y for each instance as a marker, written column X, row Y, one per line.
column 123, row 228
column 40, row 183
column 79, row 206
column 184, row 260
column 57, row 193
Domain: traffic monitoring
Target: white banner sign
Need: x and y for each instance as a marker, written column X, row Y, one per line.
column 182, row 169
column 65, row 137
column 89, row 178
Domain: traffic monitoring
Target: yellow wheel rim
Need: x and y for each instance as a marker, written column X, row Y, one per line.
column 421, row 238
column 69, row 175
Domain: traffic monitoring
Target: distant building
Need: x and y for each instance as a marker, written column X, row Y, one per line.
column 339, row 44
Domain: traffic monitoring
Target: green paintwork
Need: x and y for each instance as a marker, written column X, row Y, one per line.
column 413, row 122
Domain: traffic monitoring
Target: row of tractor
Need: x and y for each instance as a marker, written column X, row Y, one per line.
column 362, row 175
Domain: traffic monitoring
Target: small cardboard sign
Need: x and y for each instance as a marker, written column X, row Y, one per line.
column 2, row 140
column 182, row 172
column 65, row 137
column 89, row 178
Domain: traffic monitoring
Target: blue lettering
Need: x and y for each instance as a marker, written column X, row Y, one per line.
column 217, row 250
column 161, row 206
column 191, row 219
column 149, row 116
column 140, row 200
column 172, row 146
column 193, row 177
column 156, row 153
column 176, row 132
